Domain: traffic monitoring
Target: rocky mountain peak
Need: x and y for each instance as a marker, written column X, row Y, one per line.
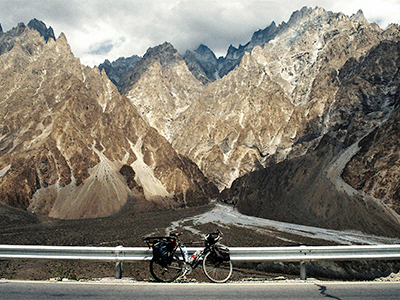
column 206, row 54
column 359, row 17
column 62, row 44
column 161, row 86
column 207, row 68
column 299, row 15
column 46, row 33
column 202, row 63
column 341, row 75
column 165, row 55
column 18, row 30
column 17, row 35
column 263, row 36
column 120, row 67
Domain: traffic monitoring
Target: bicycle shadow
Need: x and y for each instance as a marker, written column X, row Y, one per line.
column 323, row 290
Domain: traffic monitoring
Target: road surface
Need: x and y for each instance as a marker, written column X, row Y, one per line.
column 195, row 291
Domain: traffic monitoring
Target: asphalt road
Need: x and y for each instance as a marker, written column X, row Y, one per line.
column 231, row 291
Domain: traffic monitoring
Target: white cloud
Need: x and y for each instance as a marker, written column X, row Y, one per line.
column 383, row 12
column 99, row 29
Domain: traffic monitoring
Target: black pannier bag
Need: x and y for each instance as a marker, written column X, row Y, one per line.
column 221, row 254
column 162, row 251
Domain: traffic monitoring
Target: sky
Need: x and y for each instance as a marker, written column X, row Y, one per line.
column 108, row 29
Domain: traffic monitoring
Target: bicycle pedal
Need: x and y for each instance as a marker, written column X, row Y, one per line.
column 188, row 270
column 182, row 279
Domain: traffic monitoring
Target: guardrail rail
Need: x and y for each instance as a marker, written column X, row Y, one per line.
column 120, row 254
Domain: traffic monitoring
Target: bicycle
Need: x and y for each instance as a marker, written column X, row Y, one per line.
column 167, row 266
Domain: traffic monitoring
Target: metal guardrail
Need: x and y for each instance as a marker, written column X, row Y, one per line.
column 120, row 254
column 75, row 252
column 313, row 253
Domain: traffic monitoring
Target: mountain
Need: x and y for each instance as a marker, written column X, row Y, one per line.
column 306, row 92
column 337, row 171
column 41, row 27
column 120, row 67
column 203, row 64
column 273, row 104
column 72, row 147
column 7, row 39
column 298, row 125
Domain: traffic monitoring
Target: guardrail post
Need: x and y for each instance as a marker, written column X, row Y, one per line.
column 118, row 270
column 118, row 265
column 303, row 271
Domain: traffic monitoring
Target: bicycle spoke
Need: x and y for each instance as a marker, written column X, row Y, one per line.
column 168, row 273
column 216, row 271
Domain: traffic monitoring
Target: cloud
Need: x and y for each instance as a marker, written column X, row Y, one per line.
column 104, row 47
column 100, row 29
column 382, row 12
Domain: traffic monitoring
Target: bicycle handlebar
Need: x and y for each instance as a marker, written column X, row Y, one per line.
column 176, row 234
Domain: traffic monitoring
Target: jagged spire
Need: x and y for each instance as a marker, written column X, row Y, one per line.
column 41, row 27
column 359, row 17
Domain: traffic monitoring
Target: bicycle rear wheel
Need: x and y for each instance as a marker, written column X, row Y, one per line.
column 215, row 270
column 168, row 273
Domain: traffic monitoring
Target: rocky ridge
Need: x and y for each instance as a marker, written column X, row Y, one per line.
column 203, row 64
column 41, row 27
column 73, row 147
column 119, row 68
column 207, row 68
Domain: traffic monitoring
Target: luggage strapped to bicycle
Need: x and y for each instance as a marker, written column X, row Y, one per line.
column 163, row 248
column 220, row 253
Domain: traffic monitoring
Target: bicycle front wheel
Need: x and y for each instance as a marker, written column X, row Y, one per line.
column 215, row 270
column 168, row 273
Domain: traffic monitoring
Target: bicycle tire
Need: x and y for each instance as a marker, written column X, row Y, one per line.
column 218, row 272
column 169, row 273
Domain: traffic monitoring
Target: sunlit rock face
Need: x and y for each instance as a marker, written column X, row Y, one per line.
column 342, row 167
column 72, row 147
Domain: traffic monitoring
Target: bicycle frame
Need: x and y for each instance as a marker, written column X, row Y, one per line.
column 197, row 259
